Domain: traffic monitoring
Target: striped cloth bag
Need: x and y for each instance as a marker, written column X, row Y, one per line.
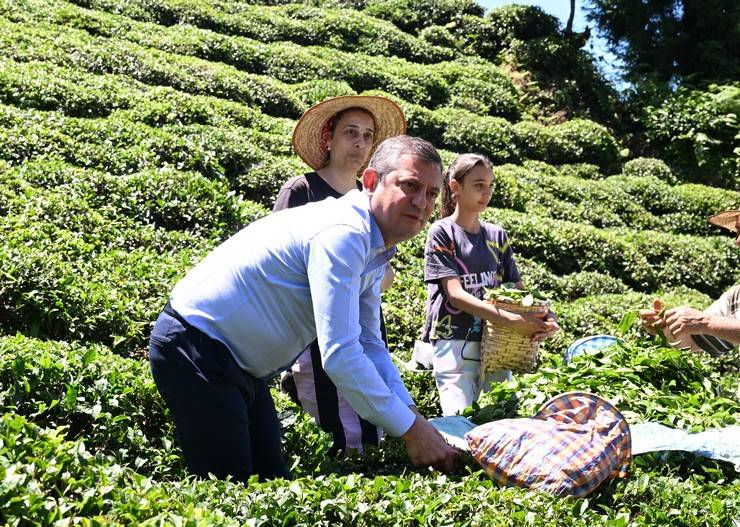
column 574, row 442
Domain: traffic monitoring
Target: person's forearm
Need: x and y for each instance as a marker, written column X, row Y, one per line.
column 470, row 304
column 726, row 328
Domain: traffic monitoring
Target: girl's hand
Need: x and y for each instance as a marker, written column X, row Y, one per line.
column 542, row 335
column 529, row 323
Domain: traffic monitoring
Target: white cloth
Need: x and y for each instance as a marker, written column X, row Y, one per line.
column 458, row 374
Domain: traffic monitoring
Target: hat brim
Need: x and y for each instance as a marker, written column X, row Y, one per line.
column 727, row 219
column 388, row 116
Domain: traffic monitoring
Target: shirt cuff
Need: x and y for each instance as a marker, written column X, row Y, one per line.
column 399, row 419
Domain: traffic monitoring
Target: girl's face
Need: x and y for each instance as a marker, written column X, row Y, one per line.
column 474, row 191
column 352, row 140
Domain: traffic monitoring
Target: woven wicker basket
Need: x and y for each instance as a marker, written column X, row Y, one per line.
column 502, row 348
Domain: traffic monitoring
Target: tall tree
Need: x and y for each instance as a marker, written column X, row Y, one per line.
column 672, row 41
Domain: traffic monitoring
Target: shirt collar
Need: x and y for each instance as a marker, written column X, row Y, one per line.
column 377, row 243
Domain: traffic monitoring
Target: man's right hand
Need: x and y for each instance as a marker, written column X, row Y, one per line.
column 426, row 446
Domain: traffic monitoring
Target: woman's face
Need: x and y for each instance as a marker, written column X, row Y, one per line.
column 352, row 140
column 475, row 189
column 737, row 231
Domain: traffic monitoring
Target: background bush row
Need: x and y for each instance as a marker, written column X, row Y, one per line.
column 472, row 84
column 299, row 23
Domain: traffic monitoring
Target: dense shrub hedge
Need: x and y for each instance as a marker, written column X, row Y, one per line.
column 522, row 22
column 108, row 401
column 645, row 261
column 74, row 48
column 638, row 202
column 93, row 257
column 579, row 141
column 412, row 16
column 562, row 80
column 120, row 146
column 97, row 489
column 698, row 133
column 655, row 384
column 649, row 167
column 345, row 30
column 42, row 86
column 480, row 87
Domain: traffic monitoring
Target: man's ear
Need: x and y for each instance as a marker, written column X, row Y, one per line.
column 370, row 180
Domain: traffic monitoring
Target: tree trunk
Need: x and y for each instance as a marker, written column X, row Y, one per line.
column 569, row 25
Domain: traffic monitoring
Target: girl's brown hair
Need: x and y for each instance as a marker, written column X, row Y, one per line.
column 458, row 169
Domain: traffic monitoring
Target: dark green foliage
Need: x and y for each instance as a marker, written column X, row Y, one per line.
column 649, row 167
column 108, row 401
column 522, row 22
column 646, row 261
column 305, row 25
column 698, row 134
column 564, row 80
column 655, row 384
column 638, row 202
column 93, row 257
column 693, row 41
column 412, row 16
column 120, row 146
column 77, row 49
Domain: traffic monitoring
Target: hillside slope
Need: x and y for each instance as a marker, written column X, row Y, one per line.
column 135, row 135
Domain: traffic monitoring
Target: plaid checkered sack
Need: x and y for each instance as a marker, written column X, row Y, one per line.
column 574, row 442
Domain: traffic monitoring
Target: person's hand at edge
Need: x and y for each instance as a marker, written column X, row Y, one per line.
column 426, row 446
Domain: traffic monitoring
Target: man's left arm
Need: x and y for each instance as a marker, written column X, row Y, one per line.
column 373, row 345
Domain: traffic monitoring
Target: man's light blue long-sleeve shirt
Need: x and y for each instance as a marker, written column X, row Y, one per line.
column 310, row 272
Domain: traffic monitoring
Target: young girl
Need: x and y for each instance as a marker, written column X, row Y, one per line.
column 463, row 256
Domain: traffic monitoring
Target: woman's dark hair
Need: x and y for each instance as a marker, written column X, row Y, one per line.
column 341, row 114
column 458, row 169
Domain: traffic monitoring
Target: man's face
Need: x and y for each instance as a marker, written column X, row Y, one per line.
column 404, row 201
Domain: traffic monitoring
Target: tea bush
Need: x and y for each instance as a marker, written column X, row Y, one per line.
column 412, row 17
column 645, row 261
column 77, row 49
column 108, row 401
column 292, row 63
column 120, row 146
column 649, row 167
column 697, row 133
column 305, row 25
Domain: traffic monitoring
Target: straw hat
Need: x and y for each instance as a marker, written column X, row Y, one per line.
column 727, row 219
column 307, row 142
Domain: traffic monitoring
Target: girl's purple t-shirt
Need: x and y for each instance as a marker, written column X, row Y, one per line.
column 479, row 260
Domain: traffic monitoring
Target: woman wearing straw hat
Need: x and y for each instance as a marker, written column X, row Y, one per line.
column 715, row 330
column 335, row 137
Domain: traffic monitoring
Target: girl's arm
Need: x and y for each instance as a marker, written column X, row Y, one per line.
column 525, row 323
